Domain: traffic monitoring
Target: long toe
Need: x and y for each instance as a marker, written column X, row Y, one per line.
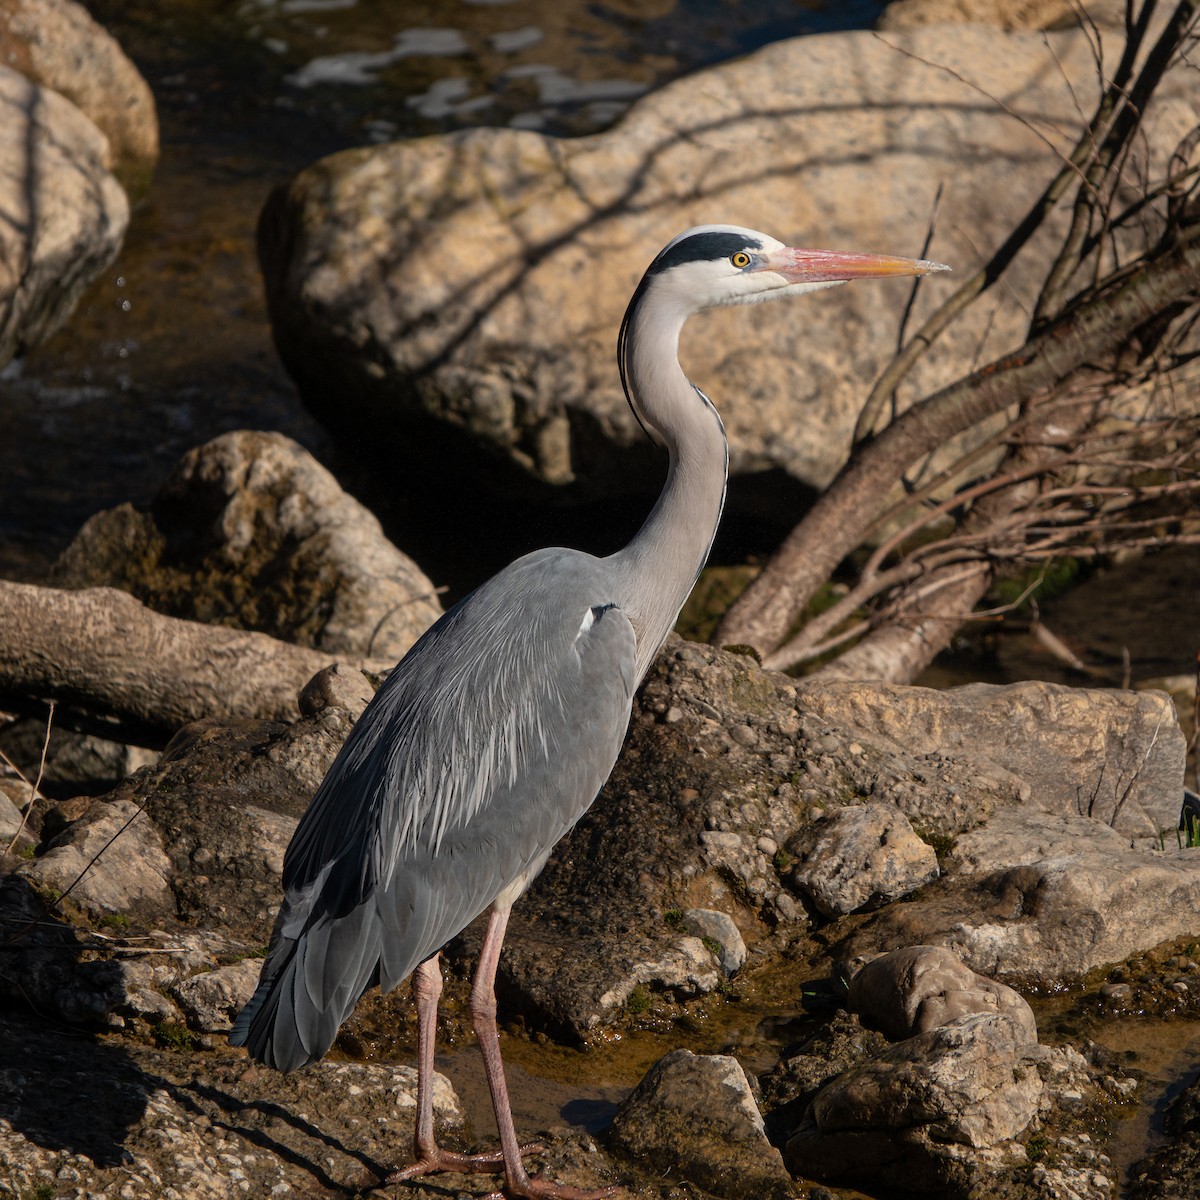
column 540, row 1188
column 449, row 1161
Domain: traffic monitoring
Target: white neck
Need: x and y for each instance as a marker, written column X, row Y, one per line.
column 657, row 570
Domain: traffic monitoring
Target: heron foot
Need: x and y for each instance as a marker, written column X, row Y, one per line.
column 436, row 1159
column 539, row 1188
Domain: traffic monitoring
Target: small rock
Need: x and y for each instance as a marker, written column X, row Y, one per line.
column 719, row 926
column 212, row 999
column 695, row 1116
column 862, row 856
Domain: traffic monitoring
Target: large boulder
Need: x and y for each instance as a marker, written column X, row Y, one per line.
column 65, row 214
column 251, row 531
column 465, row 290
column 56, row 44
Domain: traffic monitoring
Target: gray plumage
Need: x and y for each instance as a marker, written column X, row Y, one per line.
column 467, row 765
column 495, row 732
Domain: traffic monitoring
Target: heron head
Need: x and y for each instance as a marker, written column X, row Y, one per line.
column 715, row 265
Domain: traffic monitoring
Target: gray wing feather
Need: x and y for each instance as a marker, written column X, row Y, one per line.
column 482, row 749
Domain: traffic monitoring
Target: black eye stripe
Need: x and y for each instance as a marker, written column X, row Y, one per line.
column 702, row 247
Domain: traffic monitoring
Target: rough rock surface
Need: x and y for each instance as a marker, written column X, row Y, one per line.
column 56, row 43
column 861, row 856
column 1109, row 755
column 111, row 862
column 64, row 213
column 1042, row 900
column 251, row 531
column 909, row 1113
column 413, row 281
column 919, row 988
column 718, row 927
column 694, row 1116
column 96, row 1117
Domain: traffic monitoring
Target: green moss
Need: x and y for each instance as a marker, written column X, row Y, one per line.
column 674, row 918
column 171, row 1035
column 639, row 1000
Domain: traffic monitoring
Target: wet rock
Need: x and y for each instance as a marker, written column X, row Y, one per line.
column 1041, row 900
column 694, row 1116
column 251, row 531
column 720, row 928
column 111, row 861
column 418, row 308
column 65, row 214
column 861, row 856
column 937, row 1107
column 56, row 43
column 918, row 988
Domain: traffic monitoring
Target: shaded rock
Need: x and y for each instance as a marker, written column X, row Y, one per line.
column 1113, row 756
column 921, row 1113
column 1041, row 900
column 695, row 1116
column 151, row 1124
column 65, row 214
column 861, row 856
column 919, row 988
column 56, row 43
column 111, row 860
column 251, row 531
column 73, row 763
column 718, row 927
column 413, row 282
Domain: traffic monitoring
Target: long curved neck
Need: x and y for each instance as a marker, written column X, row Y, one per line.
column 657, row 570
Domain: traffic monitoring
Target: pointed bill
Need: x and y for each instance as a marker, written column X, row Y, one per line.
column 841, row 266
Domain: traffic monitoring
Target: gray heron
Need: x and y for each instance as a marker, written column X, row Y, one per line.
column 493, row 735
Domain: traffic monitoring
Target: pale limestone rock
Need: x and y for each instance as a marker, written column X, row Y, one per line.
column 64, row 213
column 211, row 999
column 960, row 1092
column 1116, row 757
column 1006, row 14
column 695, row 1116
column 861, row 856
column 720, row 927
column 57, row 44
column 131, row 869
column 919, row 988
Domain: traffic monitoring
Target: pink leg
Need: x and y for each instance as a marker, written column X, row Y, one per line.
column 517, row 1182
column 427, row 988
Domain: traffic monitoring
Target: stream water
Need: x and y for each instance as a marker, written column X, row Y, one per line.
column 172, row 346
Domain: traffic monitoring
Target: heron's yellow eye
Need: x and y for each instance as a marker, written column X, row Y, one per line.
column 740, row 259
